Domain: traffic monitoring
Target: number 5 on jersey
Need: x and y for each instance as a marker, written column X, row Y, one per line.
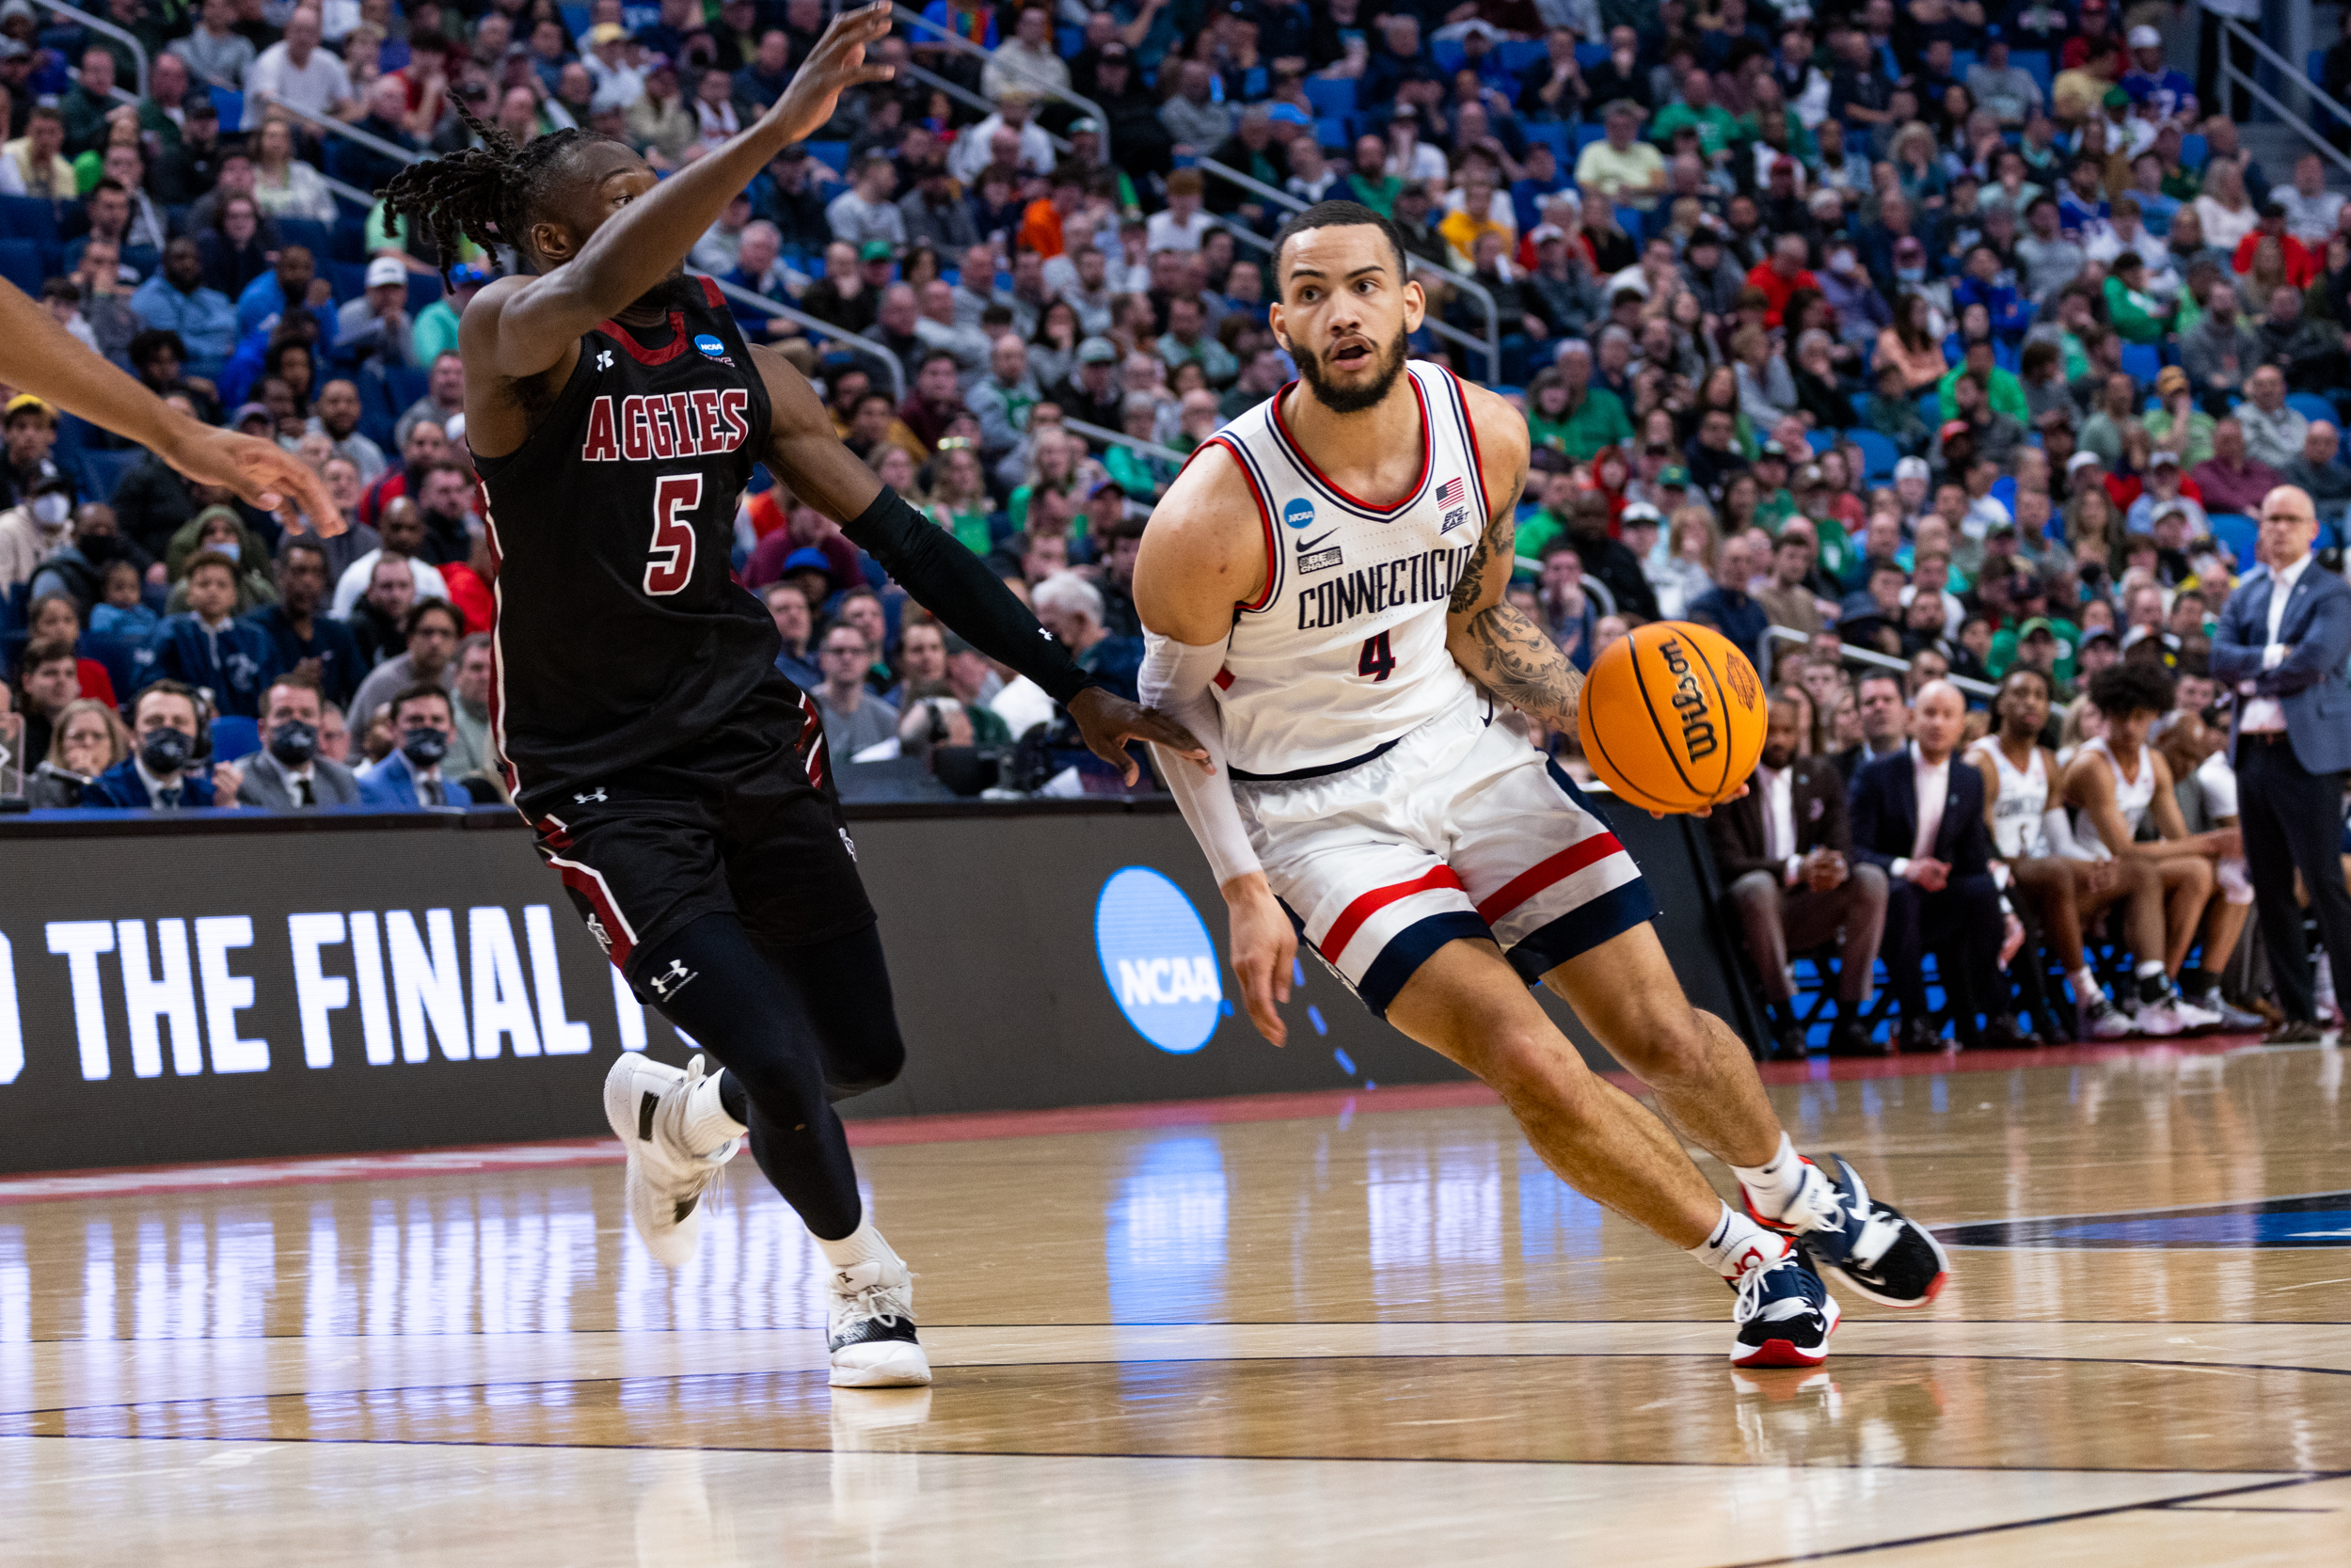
column 670, row 563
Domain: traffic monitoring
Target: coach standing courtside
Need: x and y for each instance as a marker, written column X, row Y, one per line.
column 2283, row 638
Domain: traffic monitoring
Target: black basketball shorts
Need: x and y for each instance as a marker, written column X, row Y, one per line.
column 743, row 820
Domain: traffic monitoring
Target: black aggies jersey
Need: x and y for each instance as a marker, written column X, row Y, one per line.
column 621, row 633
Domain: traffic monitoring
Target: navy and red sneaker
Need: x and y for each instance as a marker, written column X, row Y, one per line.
column 1891, row 1259
column 1784, row 1314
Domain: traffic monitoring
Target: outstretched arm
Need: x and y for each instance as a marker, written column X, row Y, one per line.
column 532, row 322
column 42, row 359
column 1489, row 638
column 943, row 577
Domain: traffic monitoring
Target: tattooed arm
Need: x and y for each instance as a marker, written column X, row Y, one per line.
column 1489, row 638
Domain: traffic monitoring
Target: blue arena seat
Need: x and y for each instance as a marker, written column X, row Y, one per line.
column 348, row 279
column 1559, row 138
column 1877, row 451
column 231, row 104
column 1518, row 56
column 2033, row 63
column 22, row 264
column 102, row 472
column 29, row 217
column 423, row 289
column 1333, row 131
column 312, row 235
column 2193, row 150
column 2312, row 407
column 833, row 154
column 1591, row 56
column 2239, row 533
column 1447, row 54
column 1330, row 98
column 119, row 656
column 2141, row 362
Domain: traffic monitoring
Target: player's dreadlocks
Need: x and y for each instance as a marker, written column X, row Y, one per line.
column 482, row 194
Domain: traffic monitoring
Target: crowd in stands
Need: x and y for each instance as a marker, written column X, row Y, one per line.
column 1961, row 333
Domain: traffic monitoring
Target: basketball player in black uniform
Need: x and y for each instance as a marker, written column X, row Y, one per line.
column 678, row 781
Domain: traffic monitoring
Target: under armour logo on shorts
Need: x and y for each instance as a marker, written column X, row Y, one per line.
column 593, row 797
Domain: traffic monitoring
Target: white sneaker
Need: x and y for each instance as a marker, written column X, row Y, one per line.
column 644, row 1100
column 2102, row 1020
column 2195, row 1018
column 2158, row 1018
column 872, row 1333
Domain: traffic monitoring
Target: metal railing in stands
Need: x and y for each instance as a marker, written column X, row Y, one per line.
column 1490, row 346
column 2290, row 76
column 912, row 18
column 1880, row 661
column 1120, row 438
column 349, row 192
column 113, row 30
column 821, row 327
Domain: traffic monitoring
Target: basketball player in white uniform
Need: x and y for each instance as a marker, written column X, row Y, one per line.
column 1321, row 590
column 2117, row 780
column 2034, row 839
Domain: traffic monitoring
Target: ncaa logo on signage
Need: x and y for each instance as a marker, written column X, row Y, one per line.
column 1299, row 513
column 1157, row 959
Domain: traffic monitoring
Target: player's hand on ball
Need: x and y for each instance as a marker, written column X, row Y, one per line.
column 1107, row 721
column 837, row 64
column 1264, row 948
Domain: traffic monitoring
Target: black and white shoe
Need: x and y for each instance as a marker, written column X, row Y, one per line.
column 645, row 1103
column 1784, row 1314
column 1871, row 1245
column 872, row 1334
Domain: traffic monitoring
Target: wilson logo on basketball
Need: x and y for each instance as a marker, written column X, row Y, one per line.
column 1689, row 700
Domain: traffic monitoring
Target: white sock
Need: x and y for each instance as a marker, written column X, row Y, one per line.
column 702, row 1125
column 861, row 1246
column 1771, row 1185
column 2147, row 967
column 1736, row 1244
column 2085, row 986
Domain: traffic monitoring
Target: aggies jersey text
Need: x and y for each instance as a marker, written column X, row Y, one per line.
column 621, row 633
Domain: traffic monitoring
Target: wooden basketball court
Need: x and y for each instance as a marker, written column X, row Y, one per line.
column 1363, row 1329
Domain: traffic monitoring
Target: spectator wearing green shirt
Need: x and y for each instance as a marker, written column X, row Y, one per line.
column 2006, row 393
column 2177, row 424
column 1567, row 413
column 1719, row 129
column 2137, row 315
column 1373, row 186
column 434, row 332
column 2040, row 644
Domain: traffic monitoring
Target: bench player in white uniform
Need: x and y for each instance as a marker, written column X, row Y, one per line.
column 1323, row 595
column 2034, row 839
column 2115, row 782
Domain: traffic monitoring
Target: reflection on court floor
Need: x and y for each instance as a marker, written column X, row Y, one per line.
column 1375, row 1339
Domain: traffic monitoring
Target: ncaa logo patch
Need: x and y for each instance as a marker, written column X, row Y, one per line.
column 1299, row 514
column 1157, row 959
column 710, row 346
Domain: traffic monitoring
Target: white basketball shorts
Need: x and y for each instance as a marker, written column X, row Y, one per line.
column 1460, row 829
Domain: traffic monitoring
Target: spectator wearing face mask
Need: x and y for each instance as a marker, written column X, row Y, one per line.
column 289, row 774
column 163, row 771
column 411, row 776
column 433, row 631
column 34, row 531
column 205, row 647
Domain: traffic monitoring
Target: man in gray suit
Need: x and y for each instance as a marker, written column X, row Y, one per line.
column 287, row 774
column 2282, row 639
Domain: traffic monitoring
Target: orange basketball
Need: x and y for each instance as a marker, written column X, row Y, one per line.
column 1671, row 717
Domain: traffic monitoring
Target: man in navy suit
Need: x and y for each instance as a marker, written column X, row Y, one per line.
column 165, row 770
column 2283, row 640
column 410, row 777
column 1918, row 814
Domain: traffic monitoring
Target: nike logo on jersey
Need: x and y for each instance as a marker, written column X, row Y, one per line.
column 665, row 425
column 1306, row 544
column 1417, row 579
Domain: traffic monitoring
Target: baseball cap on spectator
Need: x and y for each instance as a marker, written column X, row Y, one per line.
column 1951, row 428
column 385, row 270
column 954, row 640
column 1097, row 350
column 2037, row 626
column 875, row 250
column 1912, row 467
column 2081, row 460
column 808, row 558
column 2170, row 379
column 1675, row 478
column 1114, row 50
column 1403, row 111
column 1545, row 232
column 2144, row 37
column 1772, row 449
column 1085, row 128
column 468, row 275
column 2163, row 456
column 2097, row 634
column 1287, row 114
column 15, row 9
column 25, row 402
column 1908, row 248
column 248, row 411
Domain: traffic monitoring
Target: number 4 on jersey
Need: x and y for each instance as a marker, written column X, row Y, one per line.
column 1378, row 661
column 670, row 563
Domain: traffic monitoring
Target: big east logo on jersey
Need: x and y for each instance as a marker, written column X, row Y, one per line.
column 663, row 425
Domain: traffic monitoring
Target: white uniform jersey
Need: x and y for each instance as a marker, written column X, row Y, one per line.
column 2130, row 795
column 2016, row 832
column 1344, row 653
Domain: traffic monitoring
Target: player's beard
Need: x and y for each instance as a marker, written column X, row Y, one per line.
column 1341, row 399
column 674, row 293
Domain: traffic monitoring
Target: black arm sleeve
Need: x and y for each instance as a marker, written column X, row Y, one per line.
column 956, row 587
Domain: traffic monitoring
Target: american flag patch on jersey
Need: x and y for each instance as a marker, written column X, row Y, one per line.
column 1451, row 493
